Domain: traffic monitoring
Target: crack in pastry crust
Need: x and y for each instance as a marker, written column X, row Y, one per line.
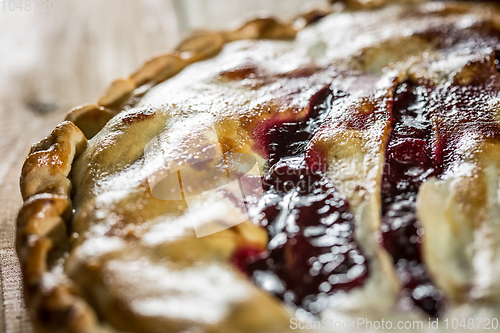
column 127, row 261
column 312, row 252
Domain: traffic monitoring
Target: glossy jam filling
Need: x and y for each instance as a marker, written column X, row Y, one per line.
column 408, row 164
column 430, row 124
column 312, row 251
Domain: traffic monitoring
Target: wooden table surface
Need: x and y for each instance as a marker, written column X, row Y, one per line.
column 54, row 60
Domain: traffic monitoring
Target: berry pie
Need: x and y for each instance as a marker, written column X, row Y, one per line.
column 342, row 165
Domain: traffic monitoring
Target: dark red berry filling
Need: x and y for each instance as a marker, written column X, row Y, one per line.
column 312, row 251
column 409, row 163
column 429, row 124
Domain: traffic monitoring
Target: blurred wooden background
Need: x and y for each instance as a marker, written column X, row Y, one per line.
column 54, row 60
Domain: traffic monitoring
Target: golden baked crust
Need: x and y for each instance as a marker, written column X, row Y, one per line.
column 122, row 260
column 54, row 301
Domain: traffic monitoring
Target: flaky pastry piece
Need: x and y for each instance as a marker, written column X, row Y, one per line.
column 390, row 113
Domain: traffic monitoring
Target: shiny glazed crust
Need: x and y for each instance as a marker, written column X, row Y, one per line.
column 46, row 189
column 58, row 273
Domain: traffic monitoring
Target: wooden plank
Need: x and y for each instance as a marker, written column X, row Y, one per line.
column 14, row 312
